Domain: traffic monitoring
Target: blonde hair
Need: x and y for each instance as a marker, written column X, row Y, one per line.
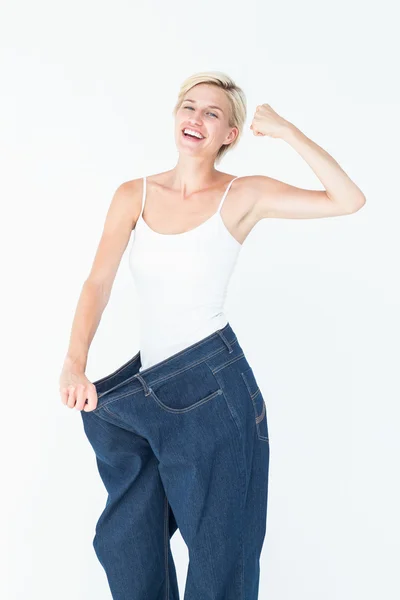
column 236, row 97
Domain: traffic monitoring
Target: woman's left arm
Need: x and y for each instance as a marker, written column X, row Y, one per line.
column 273, row 198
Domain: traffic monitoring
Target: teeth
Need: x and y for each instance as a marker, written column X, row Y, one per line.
column 198, row 135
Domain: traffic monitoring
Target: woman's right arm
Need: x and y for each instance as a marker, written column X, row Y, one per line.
column 121, row 217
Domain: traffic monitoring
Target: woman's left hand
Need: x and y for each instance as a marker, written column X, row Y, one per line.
column 267, row 122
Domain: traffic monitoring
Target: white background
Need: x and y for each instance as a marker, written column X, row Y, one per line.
column 87, row 94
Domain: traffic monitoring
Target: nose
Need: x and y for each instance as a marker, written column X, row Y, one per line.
column 195, row 118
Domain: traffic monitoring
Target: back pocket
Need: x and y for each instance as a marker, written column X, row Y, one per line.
column 256, row 397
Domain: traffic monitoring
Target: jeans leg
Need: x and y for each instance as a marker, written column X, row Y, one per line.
column 132, row 538
column 214, row 460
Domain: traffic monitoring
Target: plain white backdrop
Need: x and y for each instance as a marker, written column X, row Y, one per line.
column 87, row 91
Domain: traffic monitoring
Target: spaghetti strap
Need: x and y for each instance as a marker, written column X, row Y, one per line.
column 224, row 196
column 143, row 195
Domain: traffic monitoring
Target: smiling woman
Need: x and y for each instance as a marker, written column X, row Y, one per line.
column 215, row 97
column 180, row 429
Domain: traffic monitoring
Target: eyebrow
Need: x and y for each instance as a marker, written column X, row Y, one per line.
column 209, row 106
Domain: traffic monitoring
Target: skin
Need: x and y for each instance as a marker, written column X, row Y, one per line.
column 191, row 191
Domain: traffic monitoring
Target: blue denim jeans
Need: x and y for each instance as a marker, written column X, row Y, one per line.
column 183, row 444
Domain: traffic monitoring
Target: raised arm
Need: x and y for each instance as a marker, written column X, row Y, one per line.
column 274, row 198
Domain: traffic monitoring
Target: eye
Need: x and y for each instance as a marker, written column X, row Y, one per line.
column 210, row 113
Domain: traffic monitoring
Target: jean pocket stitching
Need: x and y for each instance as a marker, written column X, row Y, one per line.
column 253, row 395
column 262, row 415
column 188, row 408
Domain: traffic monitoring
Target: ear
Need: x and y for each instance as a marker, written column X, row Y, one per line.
column 232, row 135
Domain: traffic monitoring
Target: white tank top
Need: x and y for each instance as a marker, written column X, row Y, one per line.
column 181, row 280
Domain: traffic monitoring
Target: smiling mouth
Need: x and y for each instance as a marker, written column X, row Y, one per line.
column 192, row 137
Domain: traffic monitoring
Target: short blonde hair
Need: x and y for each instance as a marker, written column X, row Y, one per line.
column 236, row 97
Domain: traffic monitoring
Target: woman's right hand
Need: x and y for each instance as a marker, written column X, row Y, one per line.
column 75, row 389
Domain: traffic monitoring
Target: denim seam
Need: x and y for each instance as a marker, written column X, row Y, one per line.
column 246, row 381
column 258, row 417
column 227, row 364
column 262, row 414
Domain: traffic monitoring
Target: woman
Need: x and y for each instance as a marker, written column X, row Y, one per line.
column 180, row 431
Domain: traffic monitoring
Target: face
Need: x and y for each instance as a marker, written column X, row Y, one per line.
column 205, row 109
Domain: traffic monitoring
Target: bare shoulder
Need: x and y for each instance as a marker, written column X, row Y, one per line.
column 127, row 199
column 120, row 220
column 251, row 186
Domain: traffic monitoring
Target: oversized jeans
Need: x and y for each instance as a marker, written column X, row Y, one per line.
column 183, row 444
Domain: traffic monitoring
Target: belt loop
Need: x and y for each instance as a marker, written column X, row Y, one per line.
column 147, row 389
column 223, row 338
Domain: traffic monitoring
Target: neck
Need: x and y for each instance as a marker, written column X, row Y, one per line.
column 192, row 174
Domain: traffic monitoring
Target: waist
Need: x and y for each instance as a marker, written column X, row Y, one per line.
column 163, row 335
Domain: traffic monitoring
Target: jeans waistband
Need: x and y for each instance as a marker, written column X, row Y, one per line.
column 184, row 359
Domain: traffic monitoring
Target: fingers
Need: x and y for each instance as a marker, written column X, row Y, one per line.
column 91, row 395
column 255, row 132
column 64, row 395
column 71, row 396
column 80, row 397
